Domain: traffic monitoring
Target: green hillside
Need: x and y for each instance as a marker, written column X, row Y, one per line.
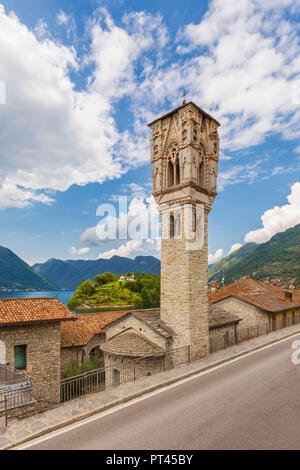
column 216, row 271
column 277, row 258
column 105, row 290
column 16, row 274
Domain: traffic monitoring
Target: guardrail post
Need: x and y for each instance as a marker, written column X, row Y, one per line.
column 3, row 419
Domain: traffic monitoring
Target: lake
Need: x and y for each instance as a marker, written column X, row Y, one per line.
column 63, row 296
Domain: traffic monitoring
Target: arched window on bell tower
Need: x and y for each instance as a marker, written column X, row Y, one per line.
column 201, row 176
column 172, row 226
column 177, row 172
column 170, row 174
column 194, row 220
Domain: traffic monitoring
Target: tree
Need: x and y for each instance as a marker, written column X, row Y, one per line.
column 86, row 288
column 102, row 279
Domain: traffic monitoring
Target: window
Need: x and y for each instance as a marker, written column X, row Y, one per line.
column 194, row 220
column 172, row 224
column 20, row 357
column 177, row 173
column 2, row 353
column 177, row 226
column 202, row 175
column 170, row 174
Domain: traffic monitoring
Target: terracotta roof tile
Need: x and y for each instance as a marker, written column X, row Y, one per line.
column 87, row 325
column 32, row 310
column 131, row 344
column 261, row 295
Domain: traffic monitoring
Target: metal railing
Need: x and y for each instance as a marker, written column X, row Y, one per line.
column 241, row 335
column 20, row 403
column 110, row 377
column 11, row 376
column 80, row 385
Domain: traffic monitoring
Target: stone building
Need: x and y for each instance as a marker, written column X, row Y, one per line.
column 256, row 303
column 84, row 337
column 30, row 341
column 184, row 156
column 138, row 344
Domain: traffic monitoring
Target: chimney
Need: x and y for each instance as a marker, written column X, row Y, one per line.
column 213, row 287
column 289, row 296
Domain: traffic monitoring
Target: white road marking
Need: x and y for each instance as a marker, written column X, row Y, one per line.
column 100, row 415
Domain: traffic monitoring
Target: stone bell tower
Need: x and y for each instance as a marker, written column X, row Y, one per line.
column 184, row 156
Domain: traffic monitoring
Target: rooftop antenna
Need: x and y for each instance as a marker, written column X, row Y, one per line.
column 184, row 95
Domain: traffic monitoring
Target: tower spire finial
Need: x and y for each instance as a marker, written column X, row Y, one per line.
column 184, row 95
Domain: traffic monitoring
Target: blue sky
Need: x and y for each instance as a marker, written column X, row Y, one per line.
column 82, row 80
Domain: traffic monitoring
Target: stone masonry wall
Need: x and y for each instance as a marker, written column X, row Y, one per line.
column 80, row 354
column 120, row 369
column 140, row 327
column 221, row 337
column 43, row 355
column 250, row 315
column 184, row 297
column 69, row 356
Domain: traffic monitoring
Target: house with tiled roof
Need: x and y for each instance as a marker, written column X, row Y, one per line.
column 138, row 342
column 81, row 339
column 30, row 331
column 257, row 302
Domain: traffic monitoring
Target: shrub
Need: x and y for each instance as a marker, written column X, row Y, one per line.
column 102, row 279
column 96, row 361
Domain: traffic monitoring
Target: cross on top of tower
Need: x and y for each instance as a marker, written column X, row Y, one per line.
column 184, row 95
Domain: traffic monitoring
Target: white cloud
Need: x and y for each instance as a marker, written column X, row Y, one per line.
column 243, row 59
column 215, row 257
column 41, row 29
column 54, row 135
column 278, row 219
column 132, row 246
column 249, row 173
column 12, row 196
column 234, row 247
column 81, row 251
column 297, row 149
column 62, row 18
column 140, row 221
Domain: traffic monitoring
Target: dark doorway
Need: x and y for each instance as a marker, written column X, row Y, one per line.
column 20, row 357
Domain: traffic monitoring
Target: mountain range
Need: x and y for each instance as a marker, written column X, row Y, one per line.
column 278, row 258
column 15, row 274
column 69, row 274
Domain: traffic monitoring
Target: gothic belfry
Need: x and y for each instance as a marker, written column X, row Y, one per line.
column 184, row 155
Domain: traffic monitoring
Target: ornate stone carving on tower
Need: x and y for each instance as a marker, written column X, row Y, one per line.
column 184, row 156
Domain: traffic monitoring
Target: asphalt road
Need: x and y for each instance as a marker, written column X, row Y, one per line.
column 252, row 403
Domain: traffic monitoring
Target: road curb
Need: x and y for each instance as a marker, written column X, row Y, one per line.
column 141, row 393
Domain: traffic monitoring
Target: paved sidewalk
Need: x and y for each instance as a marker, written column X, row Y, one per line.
column 68, row 413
